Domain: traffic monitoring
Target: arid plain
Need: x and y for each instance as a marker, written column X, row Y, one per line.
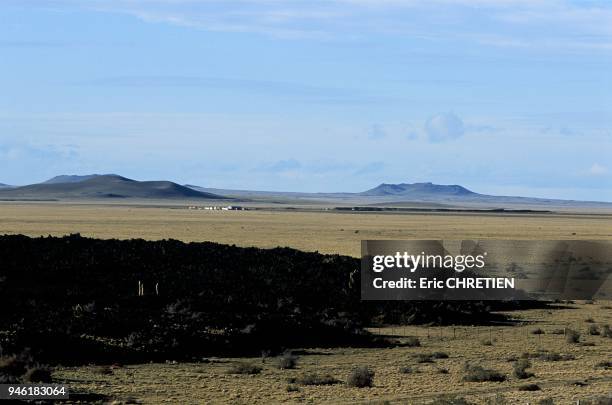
column 581, row 372
column 310, row 229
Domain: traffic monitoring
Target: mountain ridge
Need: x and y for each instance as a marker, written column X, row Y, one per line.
column 105, row 186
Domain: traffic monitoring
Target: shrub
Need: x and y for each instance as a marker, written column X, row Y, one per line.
column 486, row 342
column 442, row 370
column 597, row 401
column 589, row 320
column 546, row 401
column 361, row 377
column 606, row 331
column 424, row 358
column 557, row 331
column 244, row 368
column 554, row 357
column 37, row 374
column 292, row 388
column 407, row 370
column 593, row 330
column 450, row 400
column 606, row 365
column 439, row 355
column 314, row 379
column 520, row 368
column 287, row 361
column 14, row 367
column 571, row 336
column 529, row 387
column 412, row 341
column 537, row 331
column 474, row 373
column 498, row 399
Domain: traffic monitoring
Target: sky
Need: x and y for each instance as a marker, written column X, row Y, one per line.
column 507, row 97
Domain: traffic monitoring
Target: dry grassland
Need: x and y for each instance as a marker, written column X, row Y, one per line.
column 326, row 232
column 566, row 381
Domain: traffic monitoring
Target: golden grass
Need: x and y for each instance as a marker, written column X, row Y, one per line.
column 326, row 232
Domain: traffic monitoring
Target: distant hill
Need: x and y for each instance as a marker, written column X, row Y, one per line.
column 411, row 195
column 2, row 185
column 418, row 190
column 103, row 186
column 72, row 178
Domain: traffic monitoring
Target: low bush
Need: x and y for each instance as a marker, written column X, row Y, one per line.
column 424, row 358
column 407, row 370
column 450, row 400
column 314, row 379
column 37, row 374
column 244, row 368
column 21, row 368
column 361, row 377
column 589, row 320
column 520, row 369
column 606, row 365
column 557, row 331
column 475, row 373
column 287, row 361
column 593, row 330
column 412, row 341
column 529, row 387
column 554, row 356
column 486, row 342
column 292, row 388
column 537, row 331
column 571, row 336
column 606, row 331
column 439, row 355
column 607, row 400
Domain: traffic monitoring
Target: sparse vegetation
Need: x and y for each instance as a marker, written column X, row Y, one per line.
column 450, row 400
column 292, row 388
column 593, row 330
column 407, row 370
column 520, row 367
column 606, row 365
column 537, row 331
column 37, row 374
column 361, row 377
column 486, row 342
column 314, row 379
column 606, row 331
column 571, row 336
column 244, row 368
column 546, row 401
column 551, row 356
column 412, row 341
column 589, row 320
column 287, row 361
column 529, row 387
column 476, row 373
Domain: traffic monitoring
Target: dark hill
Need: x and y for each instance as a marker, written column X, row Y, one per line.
column 419, row 190
column 72, row 178
column 105, row 186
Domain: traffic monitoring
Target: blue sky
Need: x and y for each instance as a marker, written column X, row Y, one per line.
column 508, row 97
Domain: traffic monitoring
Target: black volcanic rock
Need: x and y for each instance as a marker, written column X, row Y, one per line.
column 104, row 186
column 419, row 190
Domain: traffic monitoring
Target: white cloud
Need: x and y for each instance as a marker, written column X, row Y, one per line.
column 597, row 170
column 542, row 24
column 444, row 127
